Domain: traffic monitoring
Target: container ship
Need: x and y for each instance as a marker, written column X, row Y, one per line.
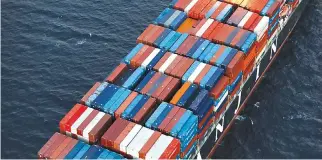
column 178, row 91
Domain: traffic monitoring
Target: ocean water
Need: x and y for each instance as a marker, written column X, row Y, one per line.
column 54, row 51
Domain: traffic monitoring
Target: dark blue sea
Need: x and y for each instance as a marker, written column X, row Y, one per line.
column 53, row 51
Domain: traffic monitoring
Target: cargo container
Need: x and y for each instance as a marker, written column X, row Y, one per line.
column 171, row 18
column 60, row 146
column 167, row 119
column 87, row 125
column 158, row 85
column 204, row 57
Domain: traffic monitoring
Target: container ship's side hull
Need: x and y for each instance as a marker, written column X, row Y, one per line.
column 214, row 137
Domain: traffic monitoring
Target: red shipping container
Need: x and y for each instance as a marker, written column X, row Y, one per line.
column 254, row 25
column 224, row 33
column 125, row 104
column 235, row 66
column 90, row 92
column 151, row 35
column 168, row 118
column 219, row 52
column 152, row 81
column 273, row 9
column 251, row 20
column 48, row 144
column 122, row 135
column 182, row 4
column 155, row 36
column 170, row 90
column 237, row 16
column 145, row 111
column 148, row 145
column 215, row 31
column 116, row 72
column 160, row 89
column 68, row 148
column 186, row 45
column 174, row 121
column 202, row 74
column 237, row 38
column 96, row 133
column 198, row 8
column 54, row 145
column 162, row 60
column 179, row 72
column 257, row 5
column 143, row 56
column 113, row 132
column 248, row 69
column 60, row 148
column 85, row 123
column 173, row 65
column 210, row 29
column 200, row 24
column 218, row 10
column 145, row 32
column 217, row 90
column 250, row 57
column 178, row 67
column 172, row 150
column 206, row 9
column 71, row 117
column 138, row 55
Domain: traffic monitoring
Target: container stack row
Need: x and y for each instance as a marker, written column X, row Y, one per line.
column 60, row 146
column 136, row 141
column 121, row 102
column 176, row 122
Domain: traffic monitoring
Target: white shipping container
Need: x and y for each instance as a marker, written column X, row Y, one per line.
column 196, row 72
column 167, row 63
column 127, row 140
column 245, row 19
column 150, row 57
column 204, row 27
column 80, row 120
column 159, row 147
column 138, row 142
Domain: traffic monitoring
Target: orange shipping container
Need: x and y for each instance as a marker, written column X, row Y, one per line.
column 187, row 25
column 219, row 87
column 145, row 32
column 235, row 66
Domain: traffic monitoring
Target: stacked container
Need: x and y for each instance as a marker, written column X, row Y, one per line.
column 60, row 146
column 144, row 56
column 177, row 122
column 203, row 74
column 136, row 141
column 158, row 85
column 125, row 76
column 171, row 18
column 85, row 123
column 272, row 10
column 173, row 65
